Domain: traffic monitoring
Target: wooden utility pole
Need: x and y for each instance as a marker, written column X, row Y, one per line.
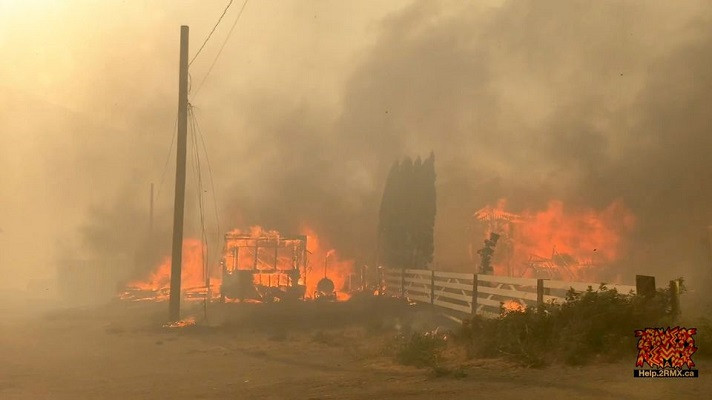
column 179, row 205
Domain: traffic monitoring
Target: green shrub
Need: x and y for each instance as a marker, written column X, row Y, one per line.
column 595, row 324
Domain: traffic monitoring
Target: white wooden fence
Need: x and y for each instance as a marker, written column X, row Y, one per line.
column 480, row 294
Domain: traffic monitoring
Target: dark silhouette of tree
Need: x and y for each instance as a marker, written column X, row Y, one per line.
column 387, row 230
column 425, row 243
column 407, row 214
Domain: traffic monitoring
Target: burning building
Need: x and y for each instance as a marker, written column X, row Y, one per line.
column 555, row 243
column 255, row 264
column 263, row 265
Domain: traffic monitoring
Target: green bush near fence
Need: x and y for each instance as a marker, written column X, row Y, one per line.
column 596, row 325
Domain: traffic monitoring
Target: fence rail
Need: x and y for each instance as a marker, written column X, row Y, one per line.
column 481, row 294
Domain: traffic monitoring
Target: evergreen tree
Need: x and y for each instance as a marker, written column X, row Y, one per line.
column 386, row 220
column 415, row 214
column 402, row 244
column 426, row 213
column 387, row 200
column 407, row 214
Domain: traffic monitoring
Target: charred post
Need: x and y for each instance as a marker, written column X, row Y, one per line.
column 474, row 294
column 540, row 294
column 487, row 252
column 645, row 285
column 432, row 287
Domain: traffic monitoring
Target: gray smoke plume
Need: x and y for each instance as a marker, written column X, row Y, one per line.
column 580, row 101
column 587, row 102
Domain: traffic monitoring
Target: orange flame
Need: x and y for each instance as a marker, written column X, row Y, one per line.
column 159, row 281
column 337, row 269
column 156, row 286
column 510, row 306
column 188, row 321
column 572, row 239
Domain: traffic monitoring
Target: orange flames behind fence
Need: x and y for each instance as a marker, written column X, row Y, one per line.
column 574, row 242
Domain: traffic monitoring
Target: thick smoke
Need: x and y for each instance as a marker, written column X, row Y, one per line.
column 580, row 101
column 587, row 102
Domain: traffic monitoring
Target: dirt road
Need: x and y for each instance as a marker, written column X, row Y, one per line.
column 122, row 353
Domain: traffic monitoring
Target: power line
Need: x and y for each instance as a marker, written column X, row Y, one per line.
column 205, row 253
column 210, row 172
column 211, row 32
column 232, row 28
column 198, row 140
column 196, row 167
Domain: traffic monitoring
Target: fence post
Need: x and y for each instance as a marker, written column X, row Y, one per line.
column 645, row 285
column 474, row 294
column 540, row 293
column 402, row 282
column 432, row 287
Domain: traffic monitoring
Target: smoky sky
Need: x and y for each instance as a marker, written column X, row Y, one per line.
column 581, row 101
column 587, row 102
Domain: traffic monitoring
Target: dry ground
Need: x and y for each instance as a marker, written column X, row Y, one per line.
column 122, row 352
